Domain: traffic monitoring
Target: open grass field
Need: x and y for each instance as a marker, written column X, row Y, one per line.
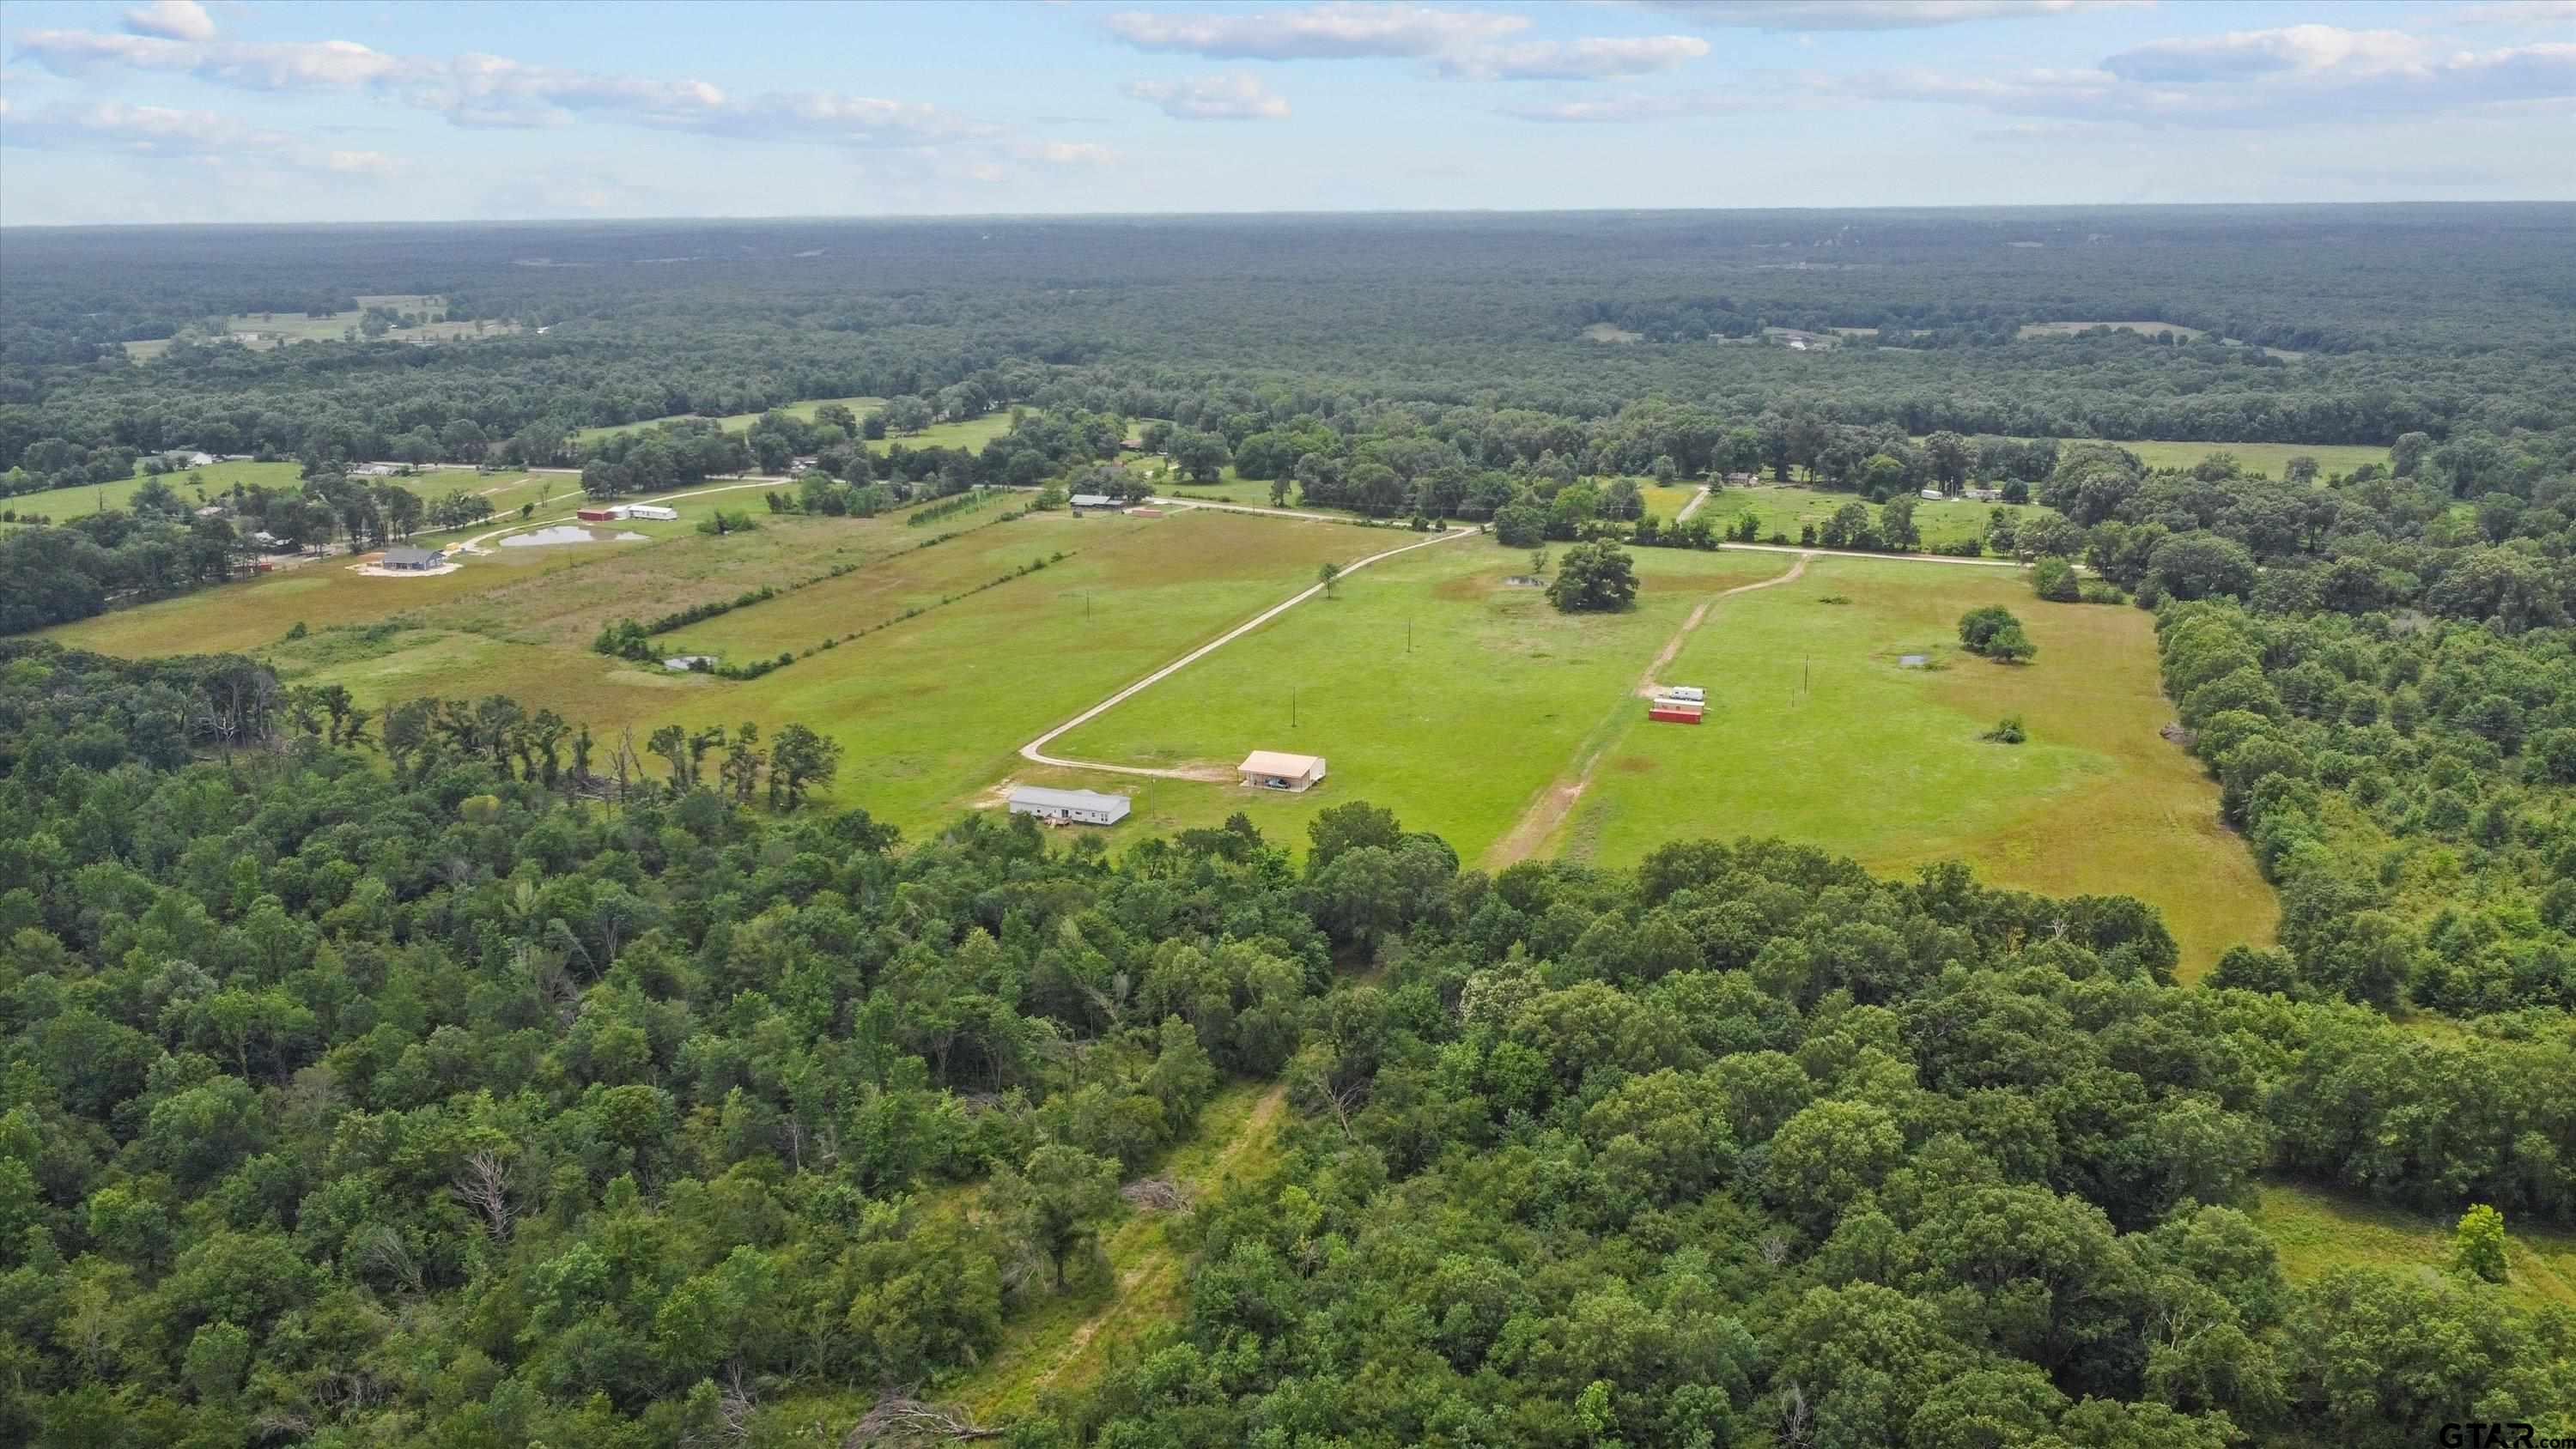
column 2143, row 328
column 971, row 434
column 65, row 504
column 1666, row 501
column 932, row 710
column 1815, row 733
column 1454, row 735
column 2317, row 1230
column 506, row 490
column 1785, row 511
column 261, row 331
column 518, row 595
column 735, row 422
column 2271, row 458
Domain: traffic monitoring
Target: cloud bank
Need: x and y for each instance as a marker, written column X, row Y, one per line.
column 1212, row 98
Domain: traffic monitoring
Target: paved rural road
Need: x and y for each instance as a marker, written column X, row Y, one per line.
column 1035, row 750
column 1557, row 801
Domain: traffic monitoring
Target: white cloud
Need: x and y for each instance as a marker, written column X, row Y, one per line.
column 2298, row 75
column 171, row 20
column 2244, row 55
column 165, row 133
column 158, row 132
column 2515, row 12
column 494, row 91
column 1867, row 14
column 1068, row 153
column 361, row 163
column 1630, row 109
column 1233, row 97
column 317, row 65
column 828, row 119
column 489, row 90
column 1589, row 59
column 1333, row 31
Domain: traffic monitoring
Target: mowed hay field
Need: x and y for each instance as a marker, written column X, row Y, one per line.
column 932, row 711
column 62, row 505
column 1815, row 733
column 1785, row 510
column 1455, row 735
column 735, row 422
column 2271, row 458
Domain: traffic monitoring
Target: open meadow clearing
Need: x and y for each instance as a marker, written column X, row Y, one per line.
column 260, row 331
column 2318, row 1230
column 734, row 422
column 1817, row 733
column 1666, row 501
column 1453, row 734
column 1784, row 511
column 534, row 595
column 506, row 489
column 933, row 709
column 62, row 505
column 2270, row 458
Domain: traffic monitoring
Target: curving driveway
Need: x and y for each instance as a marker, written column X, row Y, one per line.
column 1035, row 750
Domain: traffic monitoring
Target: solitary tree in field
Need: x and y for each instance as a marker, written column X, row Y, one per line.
column 1330, row 576
column 2477, row 1245
column 2011, row 646
column 1594, row 578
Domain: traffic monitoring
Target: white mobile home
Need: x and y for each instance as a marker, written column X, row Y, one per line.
column 651, row 510
column 1081, row 807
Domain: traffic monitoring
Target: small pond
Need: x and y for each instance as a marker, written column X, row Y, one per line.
column 566, row 533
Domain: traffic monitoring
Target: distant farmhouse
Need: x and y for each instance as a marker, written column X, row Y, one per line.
column 1080, row 807
column 413, row 558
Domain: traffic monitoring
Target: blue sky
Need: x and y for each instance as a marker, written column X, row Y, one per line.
column 175, row 111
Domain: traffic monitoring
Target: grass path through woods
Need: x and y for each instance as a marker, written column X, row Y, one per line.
column 1150, row 1277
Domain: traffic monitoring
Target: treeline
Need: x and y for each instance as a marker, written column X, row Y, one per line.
column 163, row 543
column 2441, row 321
column 425, row 1102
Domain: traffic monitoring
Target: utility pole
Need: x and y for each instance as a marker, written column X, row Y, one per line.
column 1292, row 706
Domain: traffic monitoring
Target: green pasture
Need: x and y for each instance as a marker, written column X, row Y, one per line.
column 2147, row 328
column 932, row 710
column 1815, row 732
column 1666, row 501
column 2318, row 1230
column 2270, row 458
column 276, row 329
column 1430, row 685
column 735, row 422
column 65, row 504
column 1786, row 510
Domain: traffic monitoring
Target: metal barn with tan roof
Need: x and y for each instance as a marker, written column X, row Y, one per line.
column 1276, row 770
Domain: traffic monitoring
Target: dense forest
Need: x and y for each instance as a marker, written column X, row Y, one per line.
column 2406, row 319
column 353, row 1102
column 443, row 1074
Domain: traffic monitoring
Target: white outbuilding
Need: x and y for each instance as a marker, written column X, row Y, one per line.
column 1080, row 807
